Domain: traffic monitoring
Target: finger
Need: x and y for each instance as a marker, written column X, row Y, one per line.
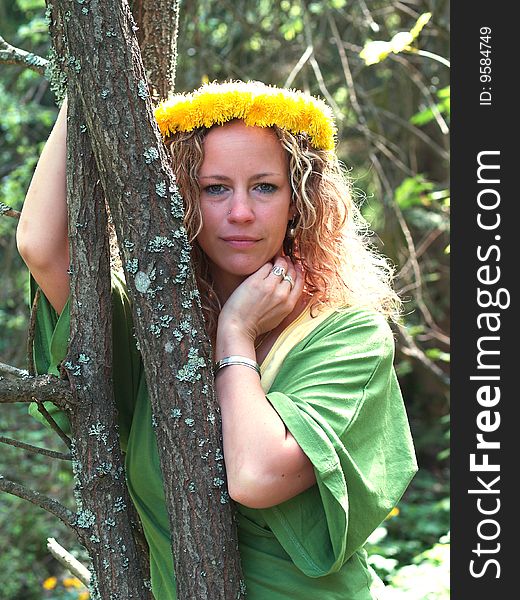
column 265, row 270
column 299, row 281
column 279, row 268
column 291, row 270
column 289, row 279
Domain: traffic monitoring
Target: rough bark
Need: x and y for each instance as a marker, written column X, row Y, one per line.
column 158, row 25
column 106, row 69
column 28, row 389
column 102, row 522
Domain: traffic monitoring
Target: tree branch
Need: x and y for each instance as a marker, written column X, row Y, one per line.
column 7, row 211
column 49, row 504
column 34, row 449
column 12, row 371
column 410, row 348
column 298, row 66
column 53, row 425
column 31, row 332
column 43, row 388
column 71, row 563
column 15, row 56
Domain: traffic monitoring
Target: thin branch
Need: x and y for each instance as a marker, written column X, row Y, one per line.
column 30, row 333
column 317, row 71
column 71, row 563
column 415, row 131
column 346, row 71
column 54, row 426
column 416, row 75
column 433, row 56
column 15, row 56
column 12, row 371
column 383, row 148
column 49, row 504
column 411, row 349
column 368, row 16
column 406, row 9
column 34, row 449
column 40, row 389
column 298, row 66
column 420, row 250
column 419, row 299
column 7, row 211
column 43, row 388
column 323, row 88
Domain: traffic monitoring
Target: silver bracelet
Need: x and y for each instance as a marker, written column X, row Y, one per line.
column 235, row 360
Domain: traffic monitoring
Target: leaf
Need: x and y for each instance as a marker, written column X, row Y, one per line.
column 376, row 51
column 421, row 22
column 443, row 106
column 411, row 191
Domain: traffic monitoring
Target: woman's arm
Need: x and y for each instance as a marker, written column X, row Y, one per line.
column 41, row 235
column 264, row 464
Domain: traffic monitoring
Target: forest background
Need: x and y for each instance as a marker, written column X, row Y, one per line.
column 383, row 66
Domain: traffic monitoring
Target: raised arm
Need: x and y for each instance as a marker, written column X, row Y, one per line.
column 41, row 235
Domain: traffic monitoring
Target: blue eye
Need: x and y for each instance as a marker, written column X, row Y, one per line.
column 266, row 188
column 215, row 189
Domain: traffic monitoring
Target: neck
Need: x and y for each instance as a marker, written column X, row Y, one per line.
column 225, row 286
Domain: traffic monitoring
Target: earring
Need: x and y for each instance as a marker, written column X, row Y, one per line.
column 291, row 228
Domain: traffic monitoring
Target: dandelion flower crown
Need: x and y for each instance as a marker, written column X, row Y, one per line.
column 254, row 103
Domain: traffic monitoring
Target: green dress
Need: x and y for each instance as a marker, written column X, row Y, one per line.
column 337, row 393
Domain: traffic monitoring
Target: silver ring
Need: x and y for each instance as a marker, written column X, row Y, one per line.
column 278, row 271
column 290, row 280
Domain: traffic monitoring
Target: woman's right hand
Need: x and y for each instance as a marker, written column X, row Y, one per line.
column 262, row 301
column 42, row 235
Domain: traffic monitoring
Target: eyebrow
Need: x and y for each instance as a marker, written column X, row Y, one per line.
column 224, row 178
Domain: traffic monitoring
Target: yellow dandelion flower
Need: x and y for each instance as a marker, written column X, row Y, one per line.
column 69, row 582
column 253, row 102
column 50, row 583
column 83, row 596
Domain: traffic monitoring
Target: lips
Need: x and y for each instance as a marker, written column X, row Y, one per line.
column 240, row 241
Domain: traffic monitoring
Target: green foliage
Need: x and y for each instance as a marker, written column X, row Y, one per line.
column 410, row 550
column 441, row 107
column 24, row 527
column 426, row 578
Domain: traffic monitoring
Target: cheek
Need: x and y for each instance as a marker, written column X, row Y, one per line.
column 208, row 217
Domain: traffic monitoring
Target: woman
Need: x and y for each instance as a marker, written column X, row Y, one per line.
column 316, row 440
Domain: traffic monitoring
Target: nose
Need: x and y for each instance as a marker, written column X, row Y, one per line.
column 240, row 208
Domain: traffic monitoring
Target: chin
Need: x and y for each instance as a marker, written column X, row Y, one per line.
column 241, row 270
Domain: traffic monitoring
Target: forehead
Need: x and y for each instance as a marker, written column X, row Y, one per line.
column 240, row 141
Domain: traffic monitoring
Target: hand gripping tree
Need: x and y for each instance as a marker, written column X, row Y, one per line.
column 115, row 153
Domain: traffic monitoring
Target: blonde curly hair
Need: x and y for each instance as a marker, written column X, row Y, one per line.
column 332, row 241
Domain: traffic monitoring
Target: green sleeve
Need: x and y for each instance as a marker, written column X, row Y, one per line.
column 51, row 339
column 338, row 395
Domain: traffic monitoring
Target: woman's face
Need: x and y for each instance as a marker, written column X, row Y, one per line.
column 245, row 200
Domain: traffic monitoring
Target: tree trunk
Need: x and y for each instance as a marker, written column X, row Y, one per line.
column 158, row 26
column 105, row 67
column 102, row 522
